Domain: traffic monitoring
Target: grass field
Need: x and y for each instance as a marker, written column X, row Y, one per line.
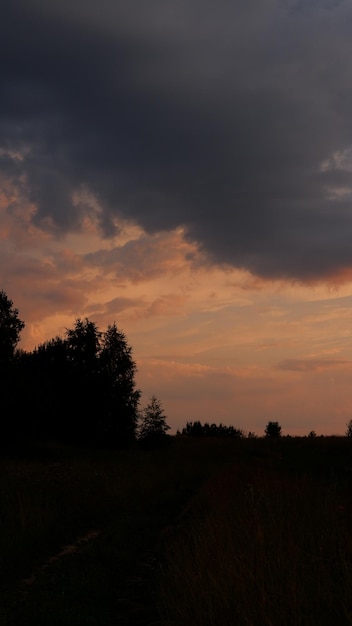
column 203, row 532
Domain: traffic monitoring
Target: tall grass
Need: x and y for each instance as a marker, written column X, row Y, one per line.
column 263, row 547
column 247, row 532
column 52, row 496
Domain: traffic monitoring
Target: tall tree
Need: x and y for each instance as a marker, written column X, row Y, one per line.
column 49, row 389
column 10, row 390
column 80, row 389
column 11, row 327
column 83, row 343
column 117, row 370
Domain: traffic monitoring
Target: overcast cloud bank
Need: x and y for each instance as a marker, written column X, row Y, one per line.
column 229, row 119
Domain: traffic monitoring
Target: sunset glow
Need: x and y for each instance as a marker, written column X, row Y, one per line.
column 190, row 180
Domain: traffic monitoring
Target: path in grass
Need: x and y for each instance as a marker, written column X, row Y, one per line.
column 112, row 579
column 107, row 576
column 99, row 579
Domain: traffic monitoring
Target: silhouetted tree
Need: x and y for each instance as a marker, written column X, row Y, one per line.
column 273, row 430
column 349, row 429
column 153, row 427
column 80, row 389
column 197, row 429
column 102, row 373
column 234, row 433
column 46, row 389
column 10, row 392
column 10, row 329
column 117, row 373
column 83, row 395
column 83, row 343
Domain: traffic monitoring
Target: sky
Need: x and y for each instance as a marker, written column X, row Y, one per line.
column 184, row 169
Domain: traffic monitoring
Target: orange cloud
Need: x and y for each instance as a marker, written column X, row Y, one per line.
column 213, row 342
column 311, row 365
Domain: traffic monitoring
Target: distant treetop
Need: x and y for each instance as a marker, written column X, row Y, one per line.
column 197, row 429
column 273, row 430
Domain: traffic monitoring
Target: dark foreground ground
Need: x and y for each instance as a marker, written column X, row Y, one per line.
column 199, row 532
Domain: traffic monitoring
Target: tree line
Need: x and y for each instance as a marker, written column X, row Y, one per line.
column 81, row 389
column 76, row 389
column 197, row 429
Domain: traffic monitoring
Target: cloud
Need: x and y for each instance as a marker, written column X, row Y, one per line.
column 228, row 120
column 146, row 257
column 311, row 365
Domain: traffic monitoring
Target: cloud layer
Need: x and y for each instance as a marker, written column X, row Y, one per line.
column 228, row 119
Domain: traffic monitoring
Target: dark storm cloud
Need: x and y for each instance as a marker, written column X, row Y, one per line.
column 232, row 119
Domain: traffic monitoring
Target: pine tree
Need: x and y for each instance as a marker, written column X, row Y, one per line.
column 273, row 430
column 153, row 427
